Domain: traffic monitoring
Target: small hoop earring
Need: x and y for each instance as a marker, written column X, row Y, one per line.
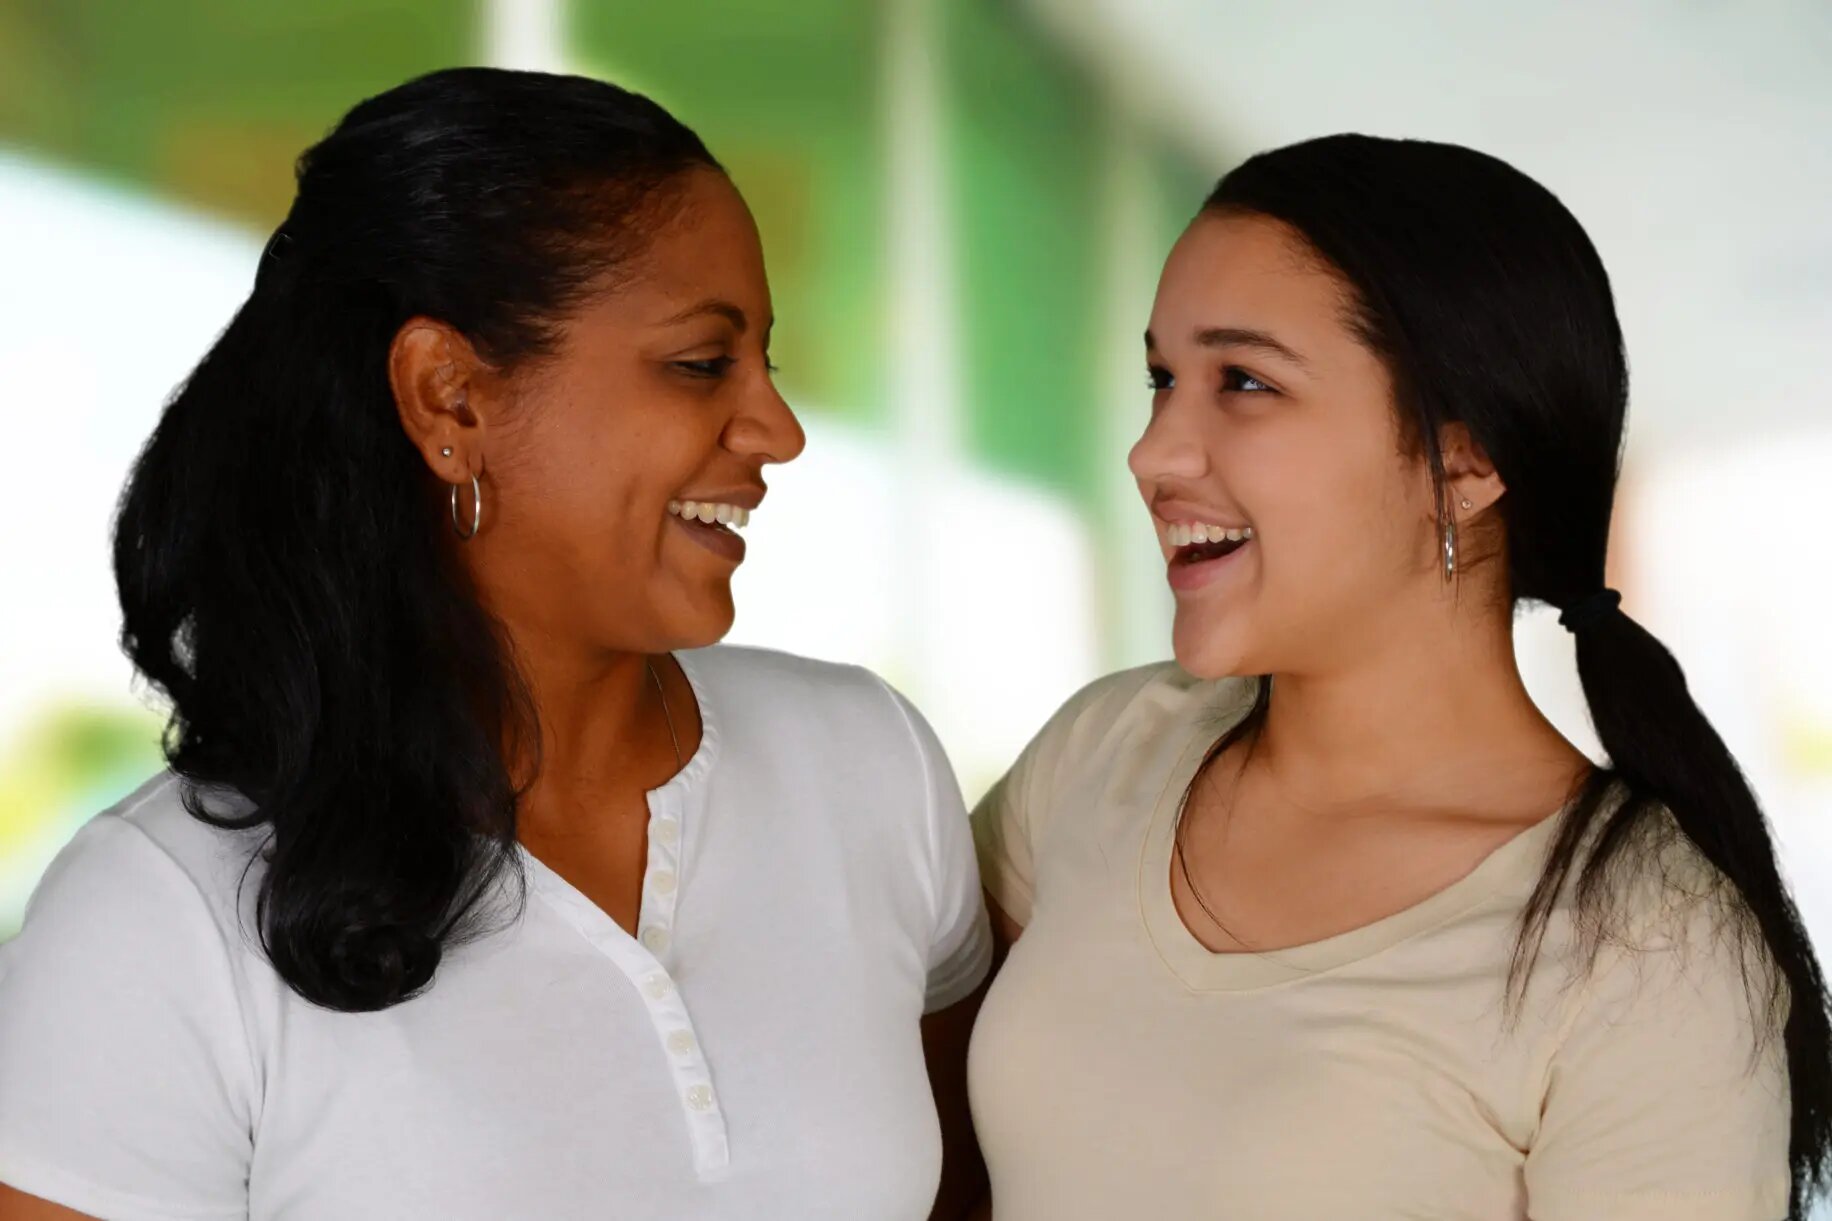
column 476, row 510
column 1450, row 552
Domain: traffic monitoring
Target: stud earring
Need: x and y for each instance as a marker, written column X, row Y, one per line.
column 447, row 452
column 1465, row 502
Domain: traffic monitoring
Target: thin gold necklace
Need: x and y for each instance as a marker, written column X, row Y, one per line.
column 667, row 715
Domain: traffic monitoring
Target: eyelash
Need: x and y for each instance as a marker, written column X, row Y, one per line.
column 1157, row 378
column 718, row 366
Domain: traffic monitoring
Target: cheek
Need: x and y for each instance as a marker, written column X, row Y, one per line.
column 587, row 482
column 1336, row 515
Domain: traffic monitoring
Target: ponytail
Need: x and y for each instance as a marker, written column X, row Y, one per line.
column 1668, row 762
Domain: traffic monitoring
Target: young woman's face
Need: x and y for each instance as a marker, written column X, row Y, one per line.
column 1273, row 434
column 657, row 404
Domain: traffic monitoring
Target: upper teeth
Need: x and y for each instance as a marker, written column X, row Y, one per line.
column 1182, row 534
column 725, row 515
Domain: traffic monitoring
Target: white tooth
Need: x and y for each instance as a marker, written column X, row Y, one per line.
column 706, row 513
column 1247, row 534
column 689, row 509
column 674, row 507
column 744, row 518
column 1181, row 536
column 725, row 514
column 1171, row 535
column 1216, row 534
column 1235, row 536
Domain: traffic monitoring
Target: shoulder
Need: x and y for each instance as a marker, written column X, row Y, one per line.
column 784, row 680
column 1142, row 703
column 786, row 700
column 150, row 857
column 1670, row 925
column 1665, row 892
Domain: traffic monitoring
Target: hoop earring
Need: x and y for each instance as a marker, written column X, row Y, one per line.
column 476, row 510
column 1450, row 552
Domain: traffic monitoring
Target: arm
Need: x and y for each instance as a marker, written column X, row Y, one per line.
column 17, row 1206
column 945, row 1037
column 965, row 1193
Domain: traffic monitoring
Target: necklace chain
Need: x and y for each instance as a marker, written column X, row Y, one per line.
column 667, row 714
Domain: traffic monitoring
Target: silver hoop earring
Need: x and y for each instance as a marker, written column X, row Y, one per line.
column 1450, row 551
column 476, row 510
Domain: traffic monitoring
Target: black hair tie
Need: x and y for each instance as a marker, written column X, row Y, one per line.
column 1587, row 611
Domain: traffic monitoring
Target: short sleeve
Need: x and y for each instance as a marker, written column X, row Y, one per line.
column 1007, row 820
column 126, row 1083
column 960, row 952
column 1663, row 1102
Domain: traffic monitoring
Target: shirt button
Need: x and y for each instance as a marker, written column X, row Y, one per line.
column 667, row 831
column 656, row 939
column 659, row 986
column 663, row 882
column 700, row 1098
column 680, row 1042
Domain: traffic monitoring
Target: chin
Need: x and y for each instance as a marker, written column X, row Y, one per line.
column 709, row 623
column 1211, row 650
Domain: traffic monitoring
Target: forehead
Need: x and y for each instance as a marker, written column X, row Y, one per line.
column 703, row 244
column 1246, row 271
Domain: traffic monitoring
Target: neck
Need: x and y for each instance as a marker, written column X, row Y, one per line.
column 1433, row 712
column 607, row 729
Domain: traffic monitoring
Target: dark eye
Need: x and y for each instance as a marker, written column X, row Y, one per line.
column 718, row 366
column 1159, row 378
column 1236, row 378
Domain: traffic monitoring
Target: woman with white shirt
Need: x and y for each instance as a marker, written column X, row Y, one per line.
column 1325, row 920
column 480, row 887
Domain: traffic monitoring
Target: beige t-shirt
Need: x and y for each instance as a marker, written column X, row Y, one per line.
column 1121, row 1070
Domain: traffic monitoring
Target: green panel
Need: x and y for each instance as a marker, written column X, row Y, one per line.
column 209, row 101
column 1025, row 168
column 787, row 97
column 1180, row 186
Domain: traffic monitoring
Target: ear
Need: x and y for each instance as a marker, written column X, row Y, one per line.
column 1469, row 473
column 436, row 374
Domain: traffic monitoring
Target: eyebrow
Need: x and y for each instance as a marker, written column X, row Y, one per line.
column 723, row 309
column 1240, row 337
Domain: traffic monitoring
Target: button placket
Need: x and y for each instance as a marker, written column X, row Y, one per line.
column 661, row 875
column 642, row 960
column 673, row 1025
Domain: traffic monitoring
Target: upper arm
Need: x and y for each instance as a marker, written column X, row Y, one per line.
column 17, row 1206
column 1667, row 1099
column 128, row 1078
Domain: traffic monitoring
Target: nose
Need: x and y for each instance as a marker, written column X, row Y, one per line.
column 1170, row 447
column 765, row 427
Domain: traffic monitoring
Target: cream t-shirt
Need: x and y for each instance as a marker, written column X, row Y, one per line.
column 1120, row 1069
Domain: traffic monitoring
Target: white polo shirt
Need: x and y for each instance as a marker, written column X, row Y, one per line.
column 754, row 1053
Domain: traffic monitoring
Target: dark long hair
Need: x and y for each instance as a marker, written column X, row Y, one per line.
column 1491, row 308
column 285, row 570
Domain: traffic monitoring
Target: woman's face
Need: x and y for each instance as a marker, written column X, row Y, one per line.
column 1273, row 432
column 658, row 403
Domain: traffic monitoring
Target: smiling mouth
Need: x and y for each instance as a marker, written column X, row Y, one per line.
column 704, row 513
column 1198, row 542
